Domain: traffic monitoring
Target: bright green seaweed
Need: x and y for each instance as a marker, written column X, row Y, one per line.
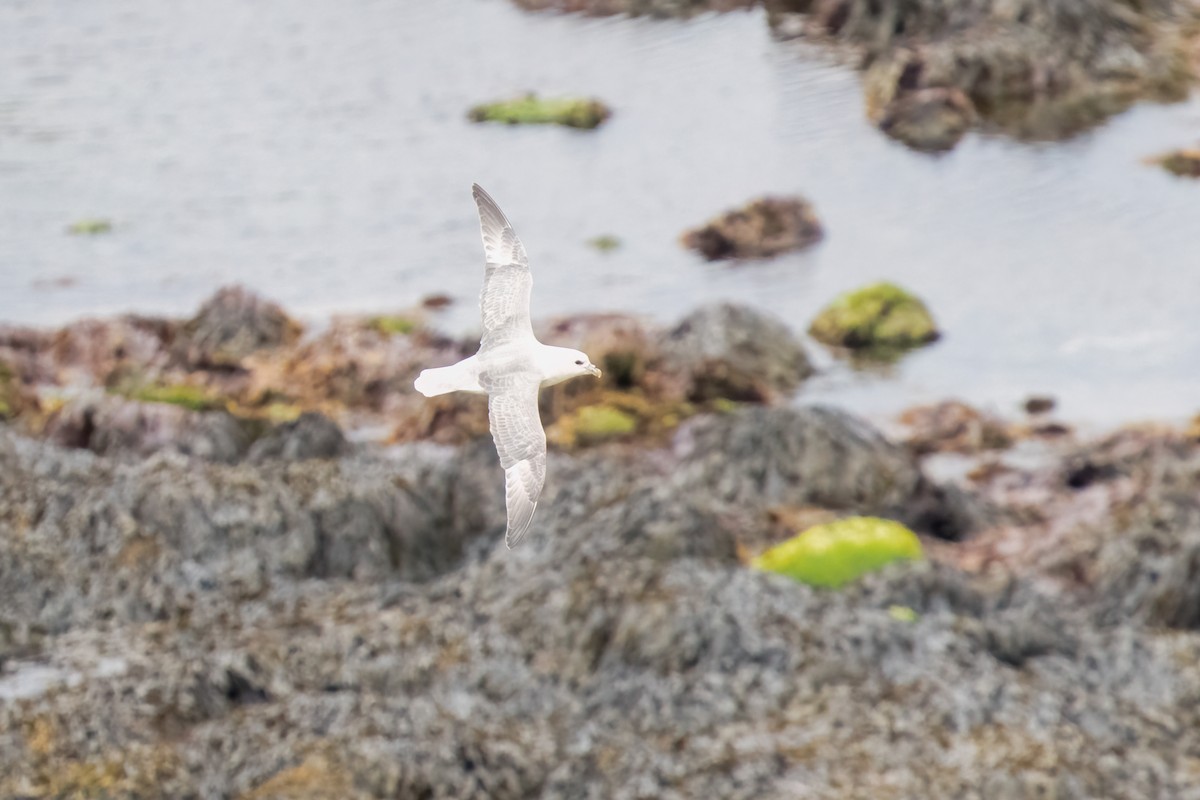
column 839, row 552
column 584, row 113
column 881, row 316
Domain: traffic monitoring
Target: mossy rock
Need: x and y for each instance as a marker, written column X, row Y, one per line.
column 878, row 318
column 193, row 398
column 585, row 113
column 393, row 324
column 90, row 227
column 838, row 552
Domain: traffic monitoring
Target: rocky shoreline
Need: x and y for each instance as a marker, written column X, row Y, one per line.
column 223, row 595
column 1033, row 69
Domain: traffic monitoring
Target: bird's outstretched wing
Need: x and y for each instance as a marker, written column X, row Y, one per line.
column 517, row 430
column 504, row 302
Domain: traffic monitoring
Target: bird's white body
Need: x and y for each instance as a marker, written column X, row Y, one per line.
column 553, row 364
column 510, row 367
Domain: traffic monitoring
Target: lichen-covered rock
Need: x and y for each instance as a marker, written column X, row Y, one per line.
column 763, row 228
column 530, row 109
column 231, row 325
column 881, row 318
column 735, row 352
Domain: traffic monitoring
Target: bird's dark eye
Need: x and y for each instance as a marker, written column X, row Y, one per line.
column 579, row 363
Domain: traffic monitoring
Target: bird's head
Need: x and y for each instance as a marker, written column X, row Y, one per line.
column 582, row 364
column 568, row 363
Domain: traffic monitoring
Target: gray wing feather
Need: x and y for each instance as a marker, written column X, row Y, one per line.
column 504, row 302
column 521, row 442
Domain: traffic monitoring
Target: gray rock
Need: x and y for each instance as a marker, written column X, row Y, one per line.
column 312, row 435
column 760, row 457
column 231, row 325
column 116, row 426
column 300, row 642
column 736, row 352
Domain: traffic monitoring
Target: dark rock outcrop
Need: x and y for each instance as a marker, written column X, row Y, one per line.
column 312, row 435
column 340, row 626
column 734, row 352
column 230, row 326
column 1034, row 68
column 762, row 228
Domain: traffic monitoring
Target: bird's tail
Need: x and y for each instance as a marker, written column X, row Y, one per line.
column 443, row 380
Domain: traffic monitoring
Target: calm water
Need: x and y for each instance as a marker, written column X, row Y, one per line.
column 319, row 152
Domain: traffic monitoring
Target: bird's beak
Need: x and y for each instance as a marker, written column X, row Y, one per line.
column 592, row 368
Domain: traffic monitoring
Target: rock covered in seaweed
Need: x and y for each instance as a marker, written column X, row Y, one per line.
column 763, row 228
column 879, row 319
column 1033, row 68
column 585, row 113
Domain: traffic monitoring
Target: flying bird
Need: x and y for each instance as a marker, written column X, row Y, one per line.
column 511, row 367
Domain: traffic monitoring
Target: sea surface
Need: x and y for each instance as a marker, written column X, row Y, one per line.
column 319, row 152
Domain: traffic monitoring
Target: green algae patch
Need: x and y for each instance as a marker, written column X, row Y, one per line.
column 605, row 243
column 584, row 113
column 9, row 399
column 600, row 423
column 881, row 317
column 392, row 325
column 608, row 416
column 193, row 398
column 838, row 552
column 90, row 227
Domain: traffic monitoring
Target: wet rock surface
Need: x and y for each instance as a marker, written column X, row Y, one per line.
column 762, row 228
column 299, row 616
column 1036, row 69
column 735, row 352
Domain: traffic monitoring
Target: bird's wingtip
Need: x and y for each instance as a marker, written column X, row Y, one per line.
column 513, row 536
